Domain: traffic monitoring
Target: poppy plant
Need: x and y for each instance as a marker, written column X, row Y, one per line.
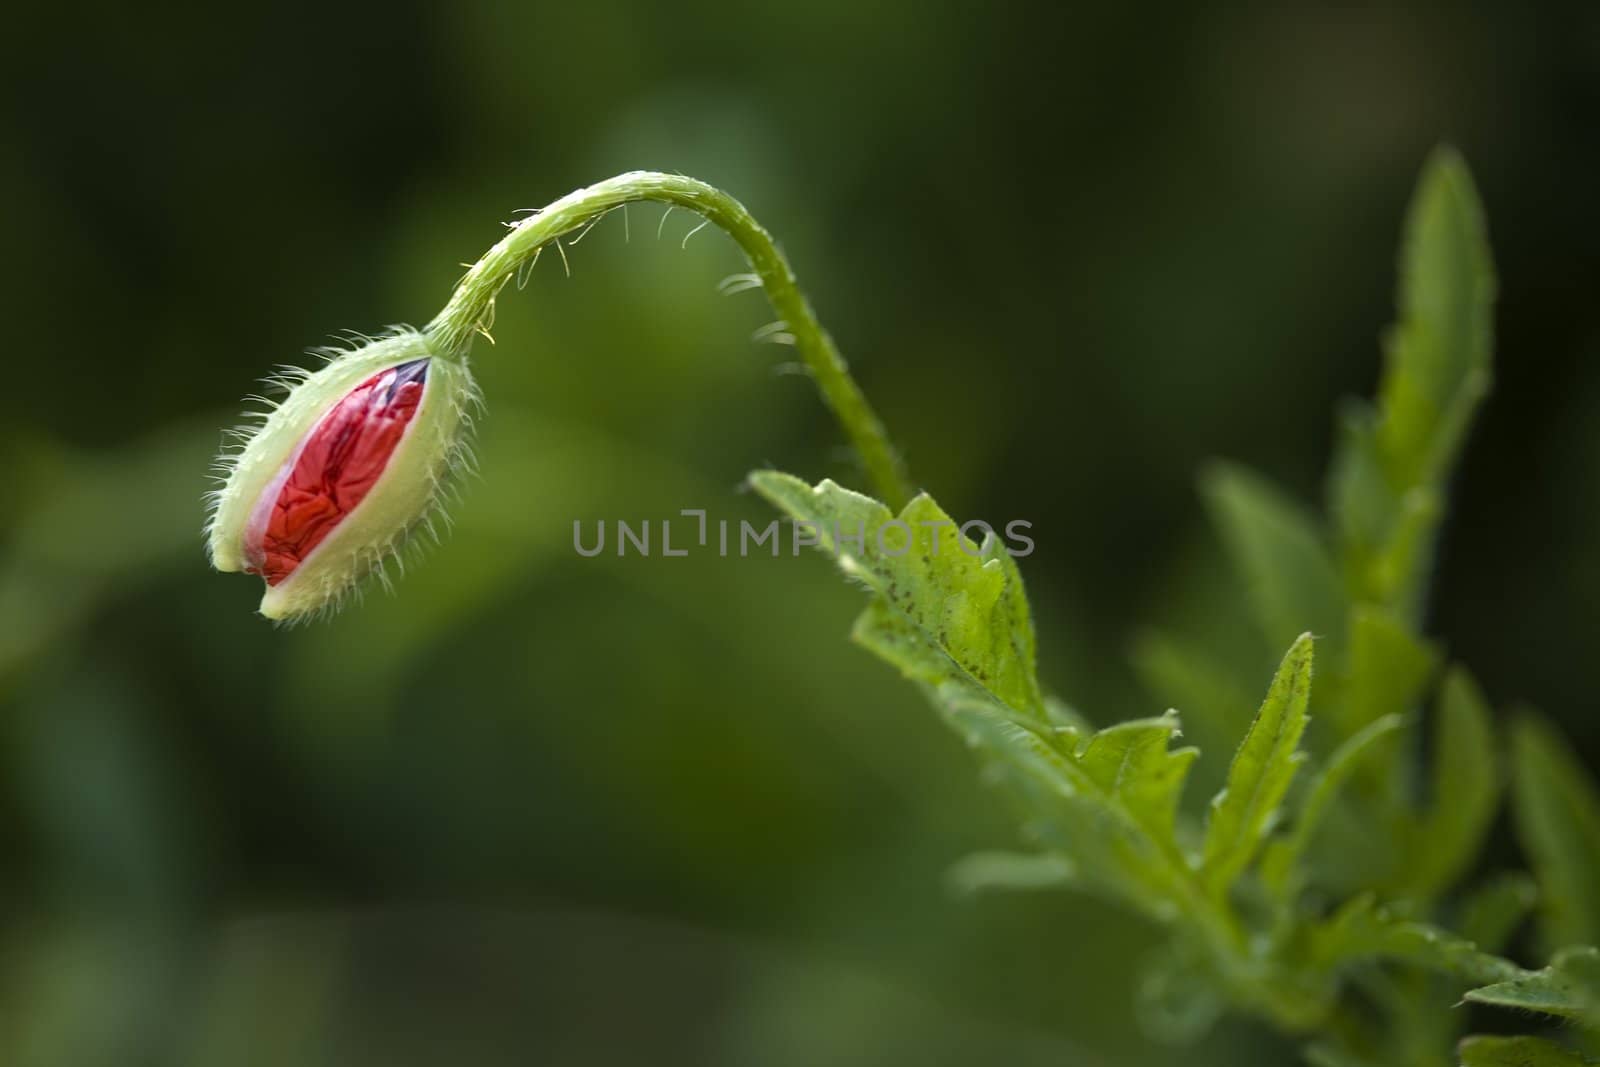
column 337, row 477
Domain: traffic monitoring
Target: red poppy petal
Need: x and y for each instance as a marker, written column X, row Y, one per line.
column 341, row 460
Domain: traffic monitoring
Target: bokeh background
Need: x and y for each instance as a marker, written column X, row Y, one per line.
column 545, row 809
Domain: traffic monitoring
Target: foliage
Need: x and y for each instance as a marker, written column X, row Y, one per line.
column 1517, row 1052
column 1323, row 909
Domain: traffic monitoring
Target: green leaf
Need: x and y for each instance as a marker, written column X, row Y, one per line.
column 1439, row 361
column 1278, row 550
column 1388, row 479
column 963, row 600
column 1490, row 914
column 1133, row 763
column 1557, row 812
column 1485, row 1051
column 1243, row 813
column 1102, row 822
column 888, row 634
column 1361, row 502
column 1361, row 931
column 952, row 616
column 1410, row 852
column 1371, row 834
column 1568, row 988
column 1107, row 800
column 1280, row 864
column 1466, row 789
column 1388, row 673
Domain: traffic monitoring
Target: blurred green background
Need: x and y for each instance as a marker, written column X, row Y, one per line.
column 545, row 809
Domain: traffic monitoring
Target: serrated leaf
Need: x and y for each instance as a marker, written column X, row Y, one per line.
column 889, row 635
column 962, row 599
column 1074, row 811
column 1133, row 763
column 1293, row 583
column 1465, row 793
column 983, row 872
column 1362, row 931
column 1105, row 800
column 1557, row 811
column 1569, row 988
column 1243, row 813
column 952, row 617
column 1522, row 1051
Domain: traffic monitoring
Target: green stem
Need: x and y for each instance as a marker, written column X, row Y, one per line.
column 471, row 306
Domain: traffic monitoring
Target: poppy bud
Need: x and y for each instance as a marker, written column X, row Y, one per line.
column 340, row 472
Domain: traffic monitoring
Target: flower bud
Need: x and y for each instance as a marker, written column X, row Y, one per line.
column 340, row 472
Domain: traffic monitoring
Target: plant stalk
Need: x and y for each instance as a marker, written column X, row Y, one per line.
column 471, row 307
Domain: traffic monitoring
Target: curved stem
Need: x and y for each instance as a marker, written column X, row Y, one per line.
column 471, row 306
